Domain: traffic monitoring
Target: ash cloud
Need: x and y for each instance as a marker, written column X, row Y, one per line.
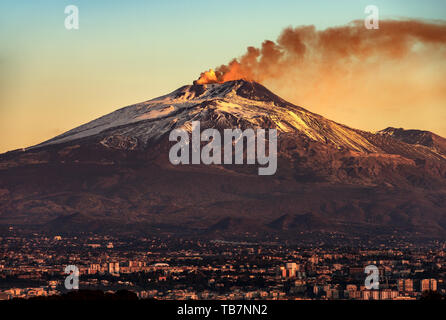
column 349, row 72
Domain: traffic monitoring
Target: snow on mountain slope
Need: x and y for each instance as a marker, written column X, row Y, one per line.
column 418, row 138
column 230, row 104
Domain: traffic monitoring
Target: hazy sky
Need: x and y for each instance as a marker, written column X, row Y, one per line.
column 53, row 79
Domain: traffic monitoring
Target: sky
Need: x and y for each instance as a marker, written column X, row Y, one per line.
column 53, row 79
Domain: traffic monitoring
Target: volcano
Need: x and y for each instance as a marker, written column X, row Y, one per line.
column 113, row 174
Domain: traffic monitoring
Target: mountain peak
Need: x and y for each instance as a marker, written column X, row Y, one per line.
column 242, row 88
column 113, row 173
column 417, row 137
column 232, row 104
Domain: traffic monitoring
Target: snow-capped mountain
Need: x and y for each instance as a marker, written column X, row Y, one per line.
column 230, row 104
column 113, row 173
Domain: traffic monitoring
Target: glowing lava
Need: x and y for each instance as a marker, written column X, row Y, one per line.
column 233, row 71
column 207, row 77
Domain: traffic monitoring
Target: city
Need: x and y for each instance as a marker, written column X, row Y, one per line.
column 167, row 268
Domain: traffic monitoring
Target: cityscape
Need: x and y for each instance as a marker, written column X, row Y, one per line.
column 166, row 268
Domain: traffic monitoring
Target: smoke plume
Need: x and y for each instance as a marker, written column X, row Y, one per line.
column 367, row 78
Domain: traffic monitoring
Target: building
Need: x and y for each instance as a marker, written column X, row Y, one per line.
column 113, row 268
column 94, row 268
column 405, row 285
column 388, row 294
column 428, row 284
column 290, row 269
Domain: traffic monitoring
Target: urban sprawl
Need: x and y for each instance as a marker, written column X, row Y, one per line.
column 33, row 265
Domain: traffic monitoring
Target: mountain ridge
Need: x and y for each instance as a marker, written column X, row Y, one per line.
column 417, row 137
column 262, row 107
